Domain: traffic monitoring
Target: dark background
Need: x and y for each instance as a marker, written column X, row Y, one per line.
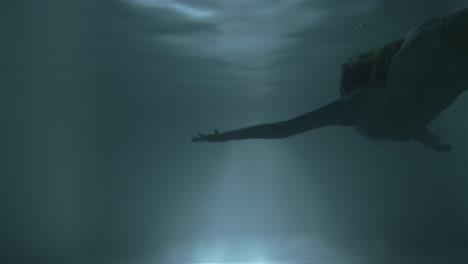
column 98, row 101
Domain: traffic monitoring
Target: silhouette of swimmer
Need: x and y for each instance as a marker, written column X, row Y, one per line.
column 391, row 93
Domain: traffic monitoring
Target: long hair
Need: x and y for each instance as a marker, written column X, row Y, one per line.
column 369, row 67
column 382, row 59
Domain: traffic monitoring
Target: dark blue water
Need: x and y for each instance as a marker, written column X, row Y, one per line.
column 99, row 100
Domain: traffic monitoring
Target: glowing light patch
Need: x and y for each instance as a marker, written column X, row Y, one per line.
column 179, row 7
column 195, row 12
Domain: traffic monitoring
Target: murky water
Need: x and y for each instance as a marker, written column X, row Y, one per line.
column 99, row 100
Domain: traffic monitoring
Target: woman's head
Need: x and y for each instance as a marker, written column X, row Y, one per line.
column 368, row 67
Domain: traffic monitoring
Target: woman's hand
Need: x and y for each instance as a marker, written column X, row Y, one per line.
column 215, row 137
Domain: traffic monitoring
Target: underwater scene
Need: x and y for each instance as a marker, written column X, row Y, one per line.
column 234, row 131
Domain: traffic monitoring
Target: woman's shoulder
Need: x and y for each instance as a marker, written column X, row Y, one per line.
column 455, row 31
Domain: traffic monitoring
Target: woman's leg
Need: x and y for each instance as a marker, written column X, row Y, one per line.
column 455, row 31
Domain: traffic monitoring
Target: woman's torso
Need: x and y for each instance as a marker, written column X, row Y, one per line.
column 425, row 77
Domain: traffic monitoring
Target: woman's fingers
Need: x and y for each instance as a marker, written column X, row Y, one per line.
column 203, row 137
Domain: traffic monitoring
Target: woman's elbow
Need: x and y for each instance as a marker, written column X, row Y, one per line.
column 285, row 129
column 278, row 130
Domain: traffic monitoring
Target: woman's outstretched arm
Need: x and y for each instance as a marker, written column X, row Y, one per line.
column 331, row 114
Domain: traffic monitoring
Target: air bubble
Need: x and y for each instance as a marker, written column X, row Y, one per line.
column 361, row 26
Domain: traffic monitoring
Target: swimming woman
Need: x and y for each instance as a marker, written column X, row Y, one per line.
column 391, row 93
